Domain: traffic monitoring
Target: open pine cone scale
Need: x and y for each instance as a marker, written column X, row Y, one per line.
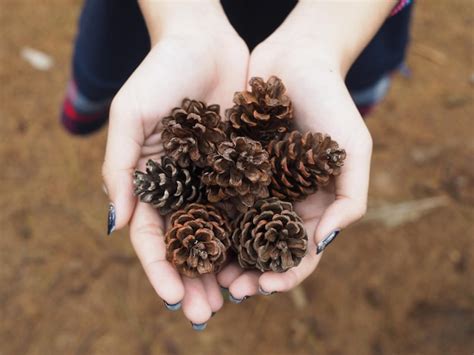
column 270, row 237
column 167, row 186
column 301, row 163
column 249, row 168
column 192, row 131
column 198, row 240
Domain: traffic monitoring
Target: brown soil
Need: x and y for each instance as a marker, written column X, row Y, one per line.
column 397, row 283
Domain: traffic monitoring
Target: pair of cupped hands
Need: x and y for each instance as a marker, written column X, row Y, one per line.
column 210, row 63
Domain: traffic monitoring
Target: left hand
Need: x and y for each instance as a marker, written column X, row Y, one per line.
column 322, row 103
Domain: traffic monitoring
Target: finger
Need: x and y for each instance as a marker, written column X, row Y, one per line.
column 195, row 304
column 244, row 286
column 228, row 274
column 351, row 196
column 281, row 282
column 213, row 291
column 351, row 187
column 270, row 282
column 124, row 141
column 146, row 231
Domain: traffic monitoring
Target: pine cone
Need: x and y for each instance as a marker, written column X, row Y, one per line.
column 192, row 131
column 198, row 240
column 238, row 174
column 167, row 186
column 303, row 162
column 270, row 236
column 264, row 113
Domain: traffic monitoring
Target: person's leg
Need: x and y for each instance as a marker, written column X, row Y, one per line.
column 366, row 99
column 369, row 78
column 111, row 42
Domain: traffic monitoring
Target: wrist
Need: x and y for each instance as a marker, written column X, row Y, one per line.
column 200, row 19
column 335, row 32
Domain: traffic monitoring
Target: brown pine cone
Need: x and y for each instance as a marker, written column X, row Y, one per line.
column 192, row 131
column 270, row 237
column 198, row 240
column 167, row 186
column 238, row 174
column 303, row 162
column 262, row 114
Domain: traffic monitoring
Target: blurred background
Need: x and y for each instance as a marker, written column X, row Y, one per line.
column 398, row 282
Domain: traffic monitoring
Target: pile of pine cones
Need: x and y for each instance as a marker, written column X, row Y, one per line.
column 249, row 169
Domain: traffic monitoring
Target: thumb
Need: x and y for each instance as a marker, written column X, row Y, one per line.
column 124, row 143
column 351, row 197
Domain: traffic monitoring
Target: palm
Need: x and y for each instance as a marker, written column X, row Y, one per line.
column 174, row 69
column 321, row 104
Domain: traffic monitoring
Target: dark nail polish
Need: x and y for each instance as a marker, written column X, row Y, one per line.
column 237, row 300
column 199, row 327
column 326, row 241
column 172, row 307
column 265, row 293
column 111, row 219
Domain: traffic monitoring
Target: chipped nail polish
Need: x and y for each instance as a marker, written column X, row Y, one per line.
column 237, row 300
column 199, row 327
column 172, row 307
column 326, row 241
column 265, row 293
column 111, row 219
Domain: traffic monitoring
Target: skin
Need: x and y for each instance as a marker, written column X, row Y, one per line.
column 311, row 52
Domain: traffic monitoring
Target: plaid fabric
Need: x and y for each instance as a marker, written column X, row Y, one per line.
column 101, row 67
column 80, row 115
column 400, row 6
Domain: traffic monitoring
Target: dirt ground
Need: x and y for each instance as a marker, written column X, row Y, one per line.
column 399, row 282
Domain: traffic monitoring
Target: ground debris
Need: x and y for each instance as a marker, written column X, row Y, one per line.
column 298, row 296
column 394, row 215
column 37, row 59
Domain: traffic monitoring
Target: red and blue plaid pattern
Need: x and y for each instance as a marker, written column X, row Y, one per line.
column 81, row 115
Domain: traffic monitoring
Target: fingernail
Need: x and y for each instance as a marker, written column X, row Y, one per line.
column 265, row 293
column 199, row 327
column 172, row 307
column 237, row 300
column 111, row 219
column 326, row 241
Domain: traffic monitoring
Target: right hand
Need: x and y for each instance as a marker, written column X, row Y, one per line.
column 202, row 62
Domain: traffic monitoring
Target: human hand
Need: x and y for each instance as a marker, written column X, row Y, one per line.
column 313, row 70
column 197, row 54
